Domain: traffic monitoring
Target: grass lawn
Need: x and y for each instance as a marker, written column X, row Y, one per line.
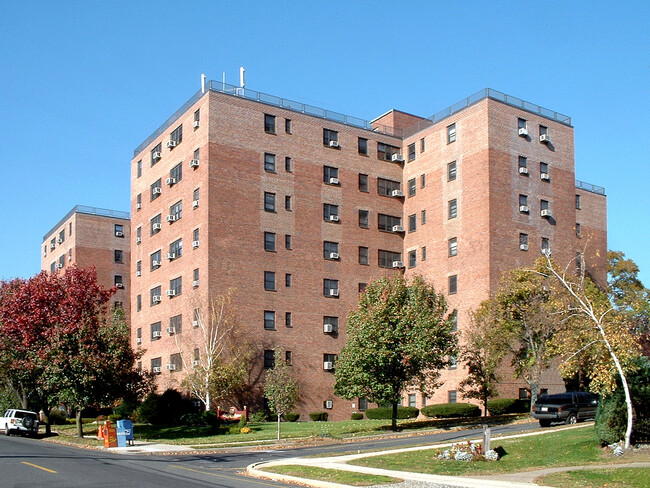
column 596, row 478
column 332, row 475
column 561, row 448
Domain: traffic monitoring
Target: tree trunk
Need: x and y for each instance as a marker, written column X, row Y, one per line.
column 393, row 422
column 207, row 400
column 46, row 418
column 80, row 429
column 278, row 426
column 485, row 400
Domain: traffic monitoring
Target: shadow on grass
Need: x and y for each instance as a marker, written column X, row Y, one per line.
column 455, row 422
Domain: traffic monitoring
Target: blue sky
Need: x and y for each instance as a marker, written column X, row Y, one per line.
column 84, row 83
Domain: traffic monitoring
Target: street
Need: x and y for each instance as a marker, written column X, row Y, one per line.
column 29, row 462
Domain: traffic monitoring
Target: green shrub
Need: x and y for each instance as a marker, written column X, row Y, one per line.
column 356, row 416
column 291, row 416
column 114, row 418
column 501, row 406
column 126, row 408
column 192, row 419
column 452, row 410
column 611, row 419
column 242, row 421
column 234, row 429
column 211, row 418
column 258, row 416
column 319, row 416
column 387, row 413
column 57, row 417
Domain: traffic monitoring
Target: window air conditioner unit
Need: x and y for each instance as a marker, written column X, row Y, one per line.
column 69, row 258
column 334, row 255
column 334, row 293
column 195, row 283
column 155, row 263
column 170, row 218
column 523, row 170
column 156, row 369
column 120, row 285
column 334, row 181
column 170, row 255
column 545, row 213
column 157, row 155
column 397, row 158
column 329, row 404
column 195, row 323
column 398, row 228
column 52, row 247
column 170, row 181
column 397, row 193
column 171, row 143
column 156, row 226
column 138, row 340
column 59, row 265
column 171, row 367
column 194, row 163
column 156, row 190
column 195, row 203
column 328, row 328
column 138, row 206
column 524, row 208
column 334, row 143
column 138, row 273
column 544, row 138
column 196, row 124
column 544, row 176
column 156, row 299
column 138, row 240
column 398, row 264
column 59, row 240
column 119, row 234
column 156, row 333
column 195, row 363
column 195, row 244
column 334, row 218
column 523, row 247
column 170, row 293
column 523, row 131
column 328, row 365
column 171, row 330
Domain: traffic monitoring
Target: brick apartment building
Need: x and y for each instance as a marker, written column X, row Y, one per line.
column 89, row 236
column 299, row 208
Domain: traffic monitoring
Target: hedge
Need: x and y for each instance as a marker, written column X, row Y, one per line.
column 387, row 413
column 318, row 416
column 291, row 416
column 356, row 416
column 500, row 406
column 450, row 410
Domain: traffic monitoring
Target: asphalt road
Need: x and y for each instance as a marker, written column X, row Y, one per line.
column 31, row 463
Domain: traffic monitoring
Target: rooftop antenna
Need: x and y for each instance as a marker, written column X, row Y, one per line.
column 203, row 77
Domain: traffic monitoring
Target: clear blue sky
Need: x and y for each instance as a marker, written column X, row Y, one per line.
column 84, row 83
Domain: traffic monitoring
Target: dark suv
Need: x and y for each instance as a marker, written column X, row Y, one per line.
column 569, row 407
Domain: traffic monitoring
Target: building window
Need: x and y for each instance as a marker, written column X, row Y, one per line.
column 387, row 258
column 423, row 217
column 269, row 359
column 269, row 241
column 269, row 201
column 154, row 259
column 269, row 280
column 544, row 205
column 269, row 319
column 176, row 135
column 118, row 282
column 453, row 362
column 422, row 145
column 523, row 241
column 411, row 151
column 196, row 319
column 196, row 195
column 423, row 180
column 363, row 219
column 287, row 126
column 176, row 324
column 269, row 124
column 138, row 335
column 156, row 189
column 119, row 230
column 521, row 123
column 138, row 268
column 523, row 204
column 546, row 245
column 176, row 286
column 523, row 165
column 155, row 294
column 138, row 234
column 330, row 325
column 176, row 249
column 138, row 169
column 424, row 253
column 578, row 230
column 138, row 303
column 269, row 162
column 451, row 171
column 175, row 362
column 156, row 331
column 363, row 255
column 195, row 276
column 287, row 242
column 287, row 319
column 331, row 288
column 176, row 211
column 386, row 152
column 330, row 175
column 287, row 280
column 453, row 284
column 411, row 187
column 155, row 224
column 329, row 358
column 330, row 250
column 543, row 131
column 578, row 202
column 330, row 138
column 412, row 222
column 412, row 400
column 386, row 222
column 156, row 153
column 287, row 165
column 362, row 287
column 452, row 396
column 197, row 118
column 330, row 212
column 543, row 172
column 523, row 394
column 451, row 133
column 176, row 174
column 363, row 183
column 287, row 202
column 118, row 256
column 61, row 238
column 453, row 247
column 363, row 146
column 138, row 201
column 387, row 187
column 453, row 208
column 412, row 259
column 453, row 318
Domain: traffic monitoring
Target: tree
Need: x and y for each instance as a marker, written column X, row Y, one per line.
column 398, row 337
column 482, row 353
column 280, row 388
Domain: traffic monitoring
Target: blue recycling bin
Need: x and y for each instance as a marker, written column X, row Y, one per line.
column 124, row 433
